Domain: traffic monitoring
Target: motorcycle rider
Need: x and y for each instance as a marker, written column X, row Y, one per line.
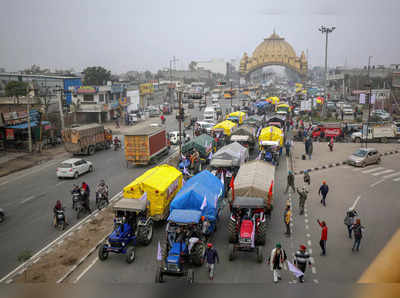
column 76, row 190
column 85, row 196
column 162, row 117
column 102, row 188
column 117, row 143
column 58, row 207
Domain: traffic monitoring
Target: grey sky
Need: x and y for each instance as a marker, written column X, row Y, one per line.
column 139, row 35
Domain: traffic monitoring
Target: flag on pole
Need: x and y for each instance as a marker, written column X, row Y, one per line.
column 210, row 155
column 253, row 232
column 222, row 179
column 183, row 157
column 143, row 197
column 185, row 171
column 183, row 182
column 296, row 271
column 271, row 187
column 204, row 204
column 159, row 255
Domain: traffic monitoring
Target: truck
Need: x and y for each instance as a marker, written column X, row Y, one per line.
column 376, row 133
column 246, row 136
column 197, row 203
column 160, row 184
column 210, row 114
column 86, row 139
column 144, row 145
column 251, row 205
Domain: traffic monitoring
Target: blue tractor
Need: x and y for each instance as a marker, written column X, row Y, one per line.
column 193, row 218
column 131, row 226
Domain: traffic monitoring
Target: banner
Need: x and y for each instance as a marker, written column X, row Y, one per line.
column 362, row 98
column 147, row 88
column 373, row 99
column 10, row 134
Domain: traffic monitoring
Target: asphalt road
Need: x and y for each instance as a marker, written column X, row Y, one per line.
column 373, row 190
column 28, row 198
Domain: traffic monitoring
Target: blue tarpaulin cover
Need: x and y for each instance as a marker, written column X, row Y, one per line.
column 191, row 196
column 185, row 216
column 25, row 125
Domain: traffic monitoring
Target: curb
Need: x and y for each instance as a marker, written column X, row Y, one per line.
column 336, row 164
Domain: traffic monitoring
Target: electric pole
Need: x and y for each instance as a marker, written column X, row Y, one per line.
column 181, row 115
column 28, row 109
column 369, row 100
column 60, row 107
column 326, row 31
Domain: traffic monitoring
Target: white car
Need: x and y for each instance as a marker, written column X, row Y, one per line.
column 72, row 168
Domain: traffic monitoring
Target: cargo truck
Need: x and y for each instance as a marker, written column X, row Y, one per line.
column 144, row 145
column 86, row 139
column 378, row 133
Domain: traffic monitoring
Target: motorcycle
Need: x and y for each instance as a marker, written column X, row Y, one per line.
column 101, row 200
column 76, row 197
column 60, row 220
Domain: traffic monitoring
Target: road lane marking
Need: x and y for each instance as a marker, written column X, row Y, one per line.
column 355, row 202
column 397, row 179
column 312, row 261
column 306, row 220
column 383, row 172
column 316, row 281
column 27, row 199
column 391, row 175
column 307, row 227
column 309, row 242
column 372, row 170
column 377, row 182
column 310, row 251
column 59, row 183
column 314, row 271
column 308, row 235
column 86, row 270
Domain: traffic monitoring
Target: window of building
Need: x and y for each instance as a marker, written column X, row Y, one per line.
column 101, row 97
column 88, row 97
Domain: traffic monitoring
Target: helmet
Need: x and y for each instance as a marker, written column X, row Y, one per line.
column 102, row 182
column 303, row 247
column 209, row 245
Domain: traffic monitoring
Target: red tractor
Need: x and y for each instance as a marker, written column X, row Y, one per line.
column 247, row 226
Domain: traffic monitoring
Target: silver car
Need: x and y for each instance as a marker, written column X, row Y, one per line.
column 363, row 157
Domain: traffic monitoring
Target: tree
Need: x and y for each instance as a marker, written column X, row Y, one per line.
column 96, row 75
column 35, row 69
column 16, row 89
column 148, row 75
column 193, row 66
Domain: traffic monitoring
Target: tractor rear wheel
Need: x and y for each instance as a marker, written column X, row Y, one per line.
column 159, row 276
column 232, row 230
column 231, row 252
column 145, row 234
column 261, row 234
column 198, row 253
column 259, row 254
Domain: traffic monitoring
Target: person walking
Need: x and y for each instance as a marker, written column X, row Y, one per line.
column 286, row 218
column 307, row 178
column 310, row 146
column 290, row 182
column 277, row 261
column 211, row 256
column 323, row 191
column 302, row 198
column 324, row 236
column 349, row 220
column 301, row 258
column 288, row 144
column 330, row 144
column 357, row 228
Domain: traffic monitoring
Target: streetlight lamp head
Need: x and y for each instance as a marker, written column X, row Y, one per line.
column 333, row 28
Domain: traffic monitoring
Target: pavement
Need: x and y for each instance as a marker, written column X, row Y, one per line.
column 323, row 157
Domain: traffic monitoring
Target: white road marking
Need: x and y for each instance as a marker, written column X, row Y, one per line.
column 316, row 281
column 377, row 182
column 355, row 202
column 305, row 210
column 310, row 251
column 59, row 183
column 372, row 170
column 309, row 242
column 86, row 270
column 391, row 175
column 305, row 215
column 308, row 235
column 307, row 227
column 306, row 220
column 27, row 199
column 314, row 271
column 312, row 260
column 383, row 172
column 397, row 179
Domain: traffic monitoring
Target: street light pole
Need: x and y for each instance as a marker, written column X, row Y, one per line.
column 326, row 31
column 28, row 108
column 180, row 122
column 369, row 100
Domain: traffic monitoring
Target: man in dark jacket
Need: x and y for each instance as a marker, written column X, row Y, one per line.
column 211, row 255
column 290, row 182
column 323, row 191
column 357, row 228
column 302, row 198
column 301, row 258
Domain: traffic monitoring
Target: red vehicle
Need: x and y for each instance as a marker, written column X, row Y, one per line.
column 327, row 131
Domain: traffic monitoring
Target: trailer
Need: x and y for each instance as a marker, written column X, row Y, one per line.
column 144, row 145
column 246, row 136
column 86, row 139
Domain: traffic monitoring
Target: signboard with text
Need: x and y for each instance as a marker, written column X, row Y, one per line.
column 86, row 90
column 146, row 88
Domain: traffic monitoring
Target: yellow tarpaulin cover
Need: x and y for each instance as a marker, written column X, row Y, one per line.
column 239, row 114
column 161, row 184
column 271, row 133
column 273, row 99
column 226, row 125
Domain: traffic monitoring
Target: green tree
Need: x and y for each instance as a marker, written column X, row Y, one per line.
column 96, row 75
column 16, row 89
column 193, row 66
column 148, row 75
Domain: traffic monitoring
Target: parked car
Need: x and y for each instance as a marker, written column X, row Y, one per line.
column 381, row 114
column 73, row 168
column 363, row 157
column 174, row 137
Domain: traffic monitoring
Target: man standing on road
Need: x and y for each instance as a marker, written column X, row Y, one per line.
column 301, row 258
column 286, row 218
column 211, row 255
column 302, row 198
column 290, row 182
column 288, row 144
column 277, row 260
column 357, row 228
column 349, row 219
column 323, row 191
column 324, row 236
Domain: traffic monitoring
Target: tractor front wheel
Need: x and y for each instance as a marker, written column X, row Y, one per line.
column 103, row 253
column 130, row 254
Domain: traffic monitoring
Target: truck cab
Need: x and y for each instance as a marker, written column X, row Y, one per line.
column 210, row 114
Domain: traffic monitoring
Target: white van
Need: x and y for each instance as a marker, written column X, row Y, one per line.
column 215, row 97
column 210, row 114
column 174, row 137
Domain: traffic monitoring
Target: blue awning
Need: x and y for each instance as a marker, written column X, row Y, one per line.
column 25, row 125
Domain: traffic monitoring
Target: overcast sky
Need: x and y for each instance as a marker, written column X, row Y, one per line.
column 124, row 35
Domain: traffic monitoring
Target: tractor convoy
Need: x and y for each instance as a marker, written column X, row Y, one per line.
column 219, row 173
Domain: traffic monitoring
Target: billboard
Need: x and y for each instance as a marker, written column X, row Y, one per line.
column 396, row 79
column 86, row 90
column 147, row 88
